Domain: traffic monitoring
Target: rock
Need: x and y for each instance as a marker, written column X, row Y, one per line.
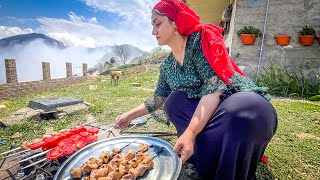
column 93, row 87
column 21, row 115
column 2, row 106
column 88, row 104
column 90, row 118
column 136, row 84
column 16, row 135
column 49, row 130
column 59, row 115
column 72, row 108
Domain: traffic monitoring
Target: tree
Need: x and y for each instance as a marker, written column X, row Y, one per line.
column 107, row 63
column 121, row 53
column 112, row 61
column 98, row 67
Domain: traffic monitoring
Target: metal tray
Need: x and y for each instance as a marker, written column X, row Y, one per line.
column 167, row 165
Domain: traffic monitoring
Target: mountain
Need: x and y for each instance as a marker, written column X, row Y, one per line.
column 132, row 54
column 22, row 44
column 24, row 39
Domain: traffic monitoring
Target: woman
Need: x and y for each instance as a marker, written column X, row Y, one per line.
column 224, row 121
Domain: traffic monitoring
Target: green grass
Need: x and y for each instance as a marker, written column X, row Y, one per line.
column 290, row 80
column 293, row 153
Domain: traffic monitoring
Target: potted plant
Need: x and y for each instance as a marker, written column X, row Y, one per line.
column 249, row 34
column 318, row 37
column 306, row 36
column 282, row 40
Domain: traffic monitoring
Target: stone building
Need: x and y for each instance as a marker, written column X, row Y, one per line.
column 272, row 17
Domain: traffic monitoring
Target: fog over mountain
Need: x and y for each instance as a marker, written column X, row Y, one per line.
column 24, row 39
column 30, row 50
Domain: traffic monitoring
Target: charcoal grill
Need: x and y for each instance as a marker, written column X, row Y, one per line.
column 34, row 165
column 28, row 164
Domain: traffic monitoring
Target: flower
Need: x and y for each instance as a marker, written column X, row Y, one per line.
column 264, row 159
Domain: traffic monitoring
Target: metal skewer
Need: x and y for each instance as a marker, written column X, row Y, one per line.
column 18, row 148
column 126, row 145
column 44, row 159
column 15, row 149
column 48, row 151
column 101, row 124
column 157, row 153
column 34, row 156
column 147, row 149
column 106, row 130
column 17, row 153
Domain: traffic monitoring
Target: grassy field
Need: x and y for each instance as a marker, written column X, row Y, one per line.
column 293, row 153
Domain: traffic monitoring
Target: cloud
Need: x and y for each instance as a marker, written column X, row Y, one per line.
column 29, row 63
column 93, row 20
column 18, row 20
column 80, row 31
column 131, row 9
column 12, row 31
column 133, row 28
column 74, row 18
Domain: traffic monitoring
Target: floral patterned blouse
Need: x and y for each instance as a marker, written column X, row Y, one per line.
column 196, row 78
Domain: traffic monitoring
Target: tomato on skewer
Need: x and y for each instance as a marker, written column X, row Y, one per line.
column 69, row 149
column 92, row 138
column 65, row 141
column 75, row 137
column 81, row 143
column 54, row 153
column 93, row 130
column 84, row 134
column 37, row 145
column 78, row 129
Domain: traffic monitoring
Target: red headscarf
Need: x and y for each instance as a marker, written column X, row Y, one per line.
column 214, row 50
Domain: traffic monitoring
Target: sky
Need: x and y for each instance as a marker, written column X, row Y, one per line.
column 81, row 23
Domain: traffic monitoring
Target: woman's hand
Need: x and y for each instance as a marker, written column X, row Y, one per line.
column 122, row 121
column 184, row 146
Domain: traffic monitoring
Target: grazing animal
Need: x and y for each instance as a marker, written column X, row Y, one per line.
column 115, row 76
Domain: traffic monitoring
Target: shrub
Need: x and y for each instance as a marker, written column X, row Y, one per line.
column 157, row 56
column 315, row 98
column 249, row 30
column 307, row 31
column 292, row 80
column 125, row 66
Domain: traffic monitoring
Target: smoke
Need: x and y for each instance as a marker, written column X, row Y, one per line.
column 29, row 60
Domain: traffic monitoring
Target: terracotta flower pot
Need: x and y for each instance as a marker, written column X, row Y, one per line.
column 306, row 40
column 282, row 40
column 248, row 39
column 318, row 39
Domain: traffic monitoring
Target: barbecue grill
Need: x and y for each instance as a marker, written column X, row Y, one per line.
column 33, row 164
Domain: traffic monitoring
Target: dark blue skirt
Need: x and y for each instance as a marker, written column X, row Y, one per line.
column 234, row 140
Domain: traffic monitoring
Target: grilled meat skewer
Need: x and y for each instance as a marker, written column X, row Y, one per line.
column 76, row 172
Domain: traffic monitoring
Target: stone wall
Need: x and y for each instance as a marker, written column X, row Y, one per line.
column 284, row 17
column 13, row 88
column 11, row 71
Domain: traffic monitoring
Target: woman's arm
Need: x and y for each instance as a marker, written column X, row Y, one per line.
column 150, row 105
column 125, row 119
column 206, row 107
